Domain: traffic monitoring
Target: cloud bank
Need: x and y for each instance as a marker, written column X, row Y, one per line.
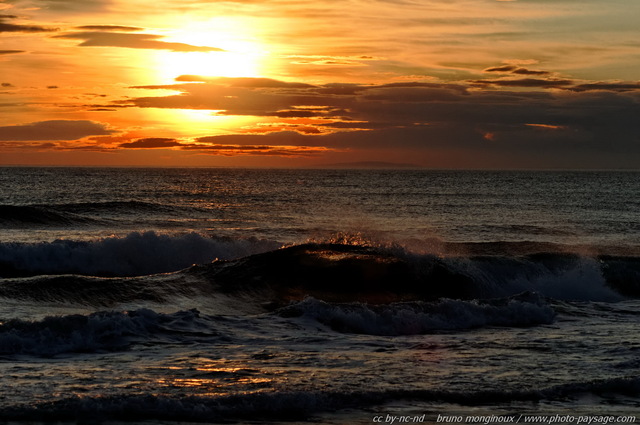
column 565, row 120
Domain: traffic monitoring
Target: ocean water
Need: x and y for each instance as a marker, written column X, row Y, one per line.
column 176, row 296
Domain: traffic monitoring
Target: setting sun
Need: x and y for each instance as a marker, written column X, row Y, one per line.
column 237, row 52
column 441, row 84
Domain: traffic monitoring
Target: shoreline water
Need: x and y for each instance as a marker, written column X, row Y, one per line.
column 181, row 296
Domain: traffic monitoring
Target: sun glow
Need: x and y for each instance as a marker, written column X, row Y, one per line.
column 241, row 54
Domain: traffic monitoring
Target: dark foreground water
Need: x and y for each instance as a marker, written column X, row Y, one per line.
column 318, row 296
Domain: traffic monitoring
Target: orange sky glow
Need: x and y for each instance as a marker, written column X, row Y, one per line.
column 434, row 83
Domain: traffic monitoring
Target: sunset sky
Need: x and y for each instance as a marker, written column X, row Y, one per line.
column 436, row 83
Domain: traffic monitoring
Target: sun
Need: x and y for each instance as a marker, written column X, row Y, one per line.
column 242, row 55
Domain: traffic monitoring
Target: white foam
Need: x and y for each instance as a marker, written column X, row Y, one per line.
column 422, row 317
column 575, row 279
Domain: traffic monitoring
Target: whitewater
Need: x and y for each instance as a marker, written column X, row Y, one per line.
column 176, row 296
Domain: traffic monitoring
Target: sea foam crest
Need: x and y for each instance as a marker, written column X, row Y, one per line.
column 559, row 276
column 409, row 318
column 133, row 255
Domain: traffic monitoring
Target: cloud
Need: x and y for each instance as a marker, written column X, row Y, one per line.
column 109, row 28
column 134, row 41
column 11, row 52
column 512, row 69
column 554, row 122
column 151, row 142
column 526, row 82
column 215, row 145
column 52, row 130
column 243, row 82
column 64, row 6
column 6, row 27
column 264, row 150
column 614, row 86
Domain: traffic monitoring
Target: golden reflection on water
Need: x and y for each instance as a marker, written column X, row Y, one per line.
column 215, row 380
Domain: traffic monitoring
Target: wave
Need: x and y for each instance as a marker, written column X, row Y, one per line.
column 19, row 216
column 133, row 255
column 112, row 206
column 330, row 272
column 98, row 332
column 274, row 406
column 418, row 317
column 345, row 273
column 86, row 213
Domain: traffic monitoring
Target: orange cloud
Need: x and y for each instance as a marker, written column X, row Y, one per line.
column 53, row 130
column 134, row 41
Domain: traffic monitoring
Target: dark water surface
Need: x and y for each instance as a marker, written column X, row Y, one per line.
column 323, row 296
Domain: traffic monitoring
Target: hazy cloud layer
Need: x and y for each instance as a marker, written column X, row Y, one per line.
column 62, row 6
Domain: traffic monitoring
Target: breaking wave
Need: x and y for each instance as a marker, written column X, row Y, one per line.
column 99, row 332
column 419, row 317
column 133, row 255
column 330, row 272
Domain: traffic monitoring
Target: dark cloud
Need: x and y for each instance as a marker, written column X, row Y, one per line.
column 512, row 69
column 267, row 97
column 52, row 130
column 296, row 113
column 524, row 71
column 248, row 149
column 288, row 138
column 151, row 142
column 511, row 120
column 6, row 27
column 7, row 85
column 231, row 145
column 243, row 81
column 11, row 52
column 134, row 41
column 503, row 68
column 616, row 87
column 62, row 5
column 526, row 82
column 109, row 28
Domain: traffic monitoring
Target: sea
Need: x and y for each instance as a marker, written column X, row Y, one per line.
column 318, row 296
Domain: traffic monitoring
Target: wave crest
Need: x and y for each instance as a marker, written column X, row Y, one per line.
column 96, row 332
column 409, row 318
column 136, row 254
